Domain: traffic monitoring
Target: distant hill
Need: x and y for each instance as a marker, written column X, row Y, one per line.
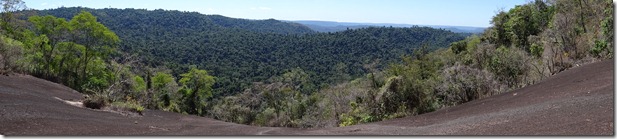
column 263, row 26
column 240, row 51
column 330, row 26
column 134, row 18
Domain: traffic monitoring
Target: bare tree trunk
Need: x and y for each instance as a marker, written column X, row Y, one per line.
column 582, row 15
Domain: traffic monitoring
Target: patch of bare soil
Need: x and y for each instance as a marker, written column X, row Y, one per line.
column 579, row 101
column 112, row 109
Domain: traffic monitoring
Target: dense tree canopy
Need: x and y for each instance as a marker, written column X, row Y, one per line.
column 196, row 89
column 240, row 52
column 70, row 51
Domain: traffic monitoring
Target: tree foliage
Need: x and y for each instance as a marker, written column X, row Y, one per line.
column 165, row 87
column 240, row 52
column 74, row 52
column 7, row 19
column 196, row 90
column 11, row 55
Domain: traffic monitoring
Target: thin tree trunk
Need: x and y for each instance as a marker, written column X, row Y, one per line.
column 582, row 15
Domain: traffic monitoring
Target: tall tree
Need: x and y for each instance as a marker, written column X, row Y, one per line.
column 196, row 89
column 98, row 40
column 520, row 26
column 164, row 86
column 497, row 33
column 7, row 10
column 54, row 31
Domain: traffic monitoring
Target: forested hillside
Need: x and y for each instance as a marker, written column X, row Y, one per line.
column 523, row 45
column 239, row 52
column 163, row 21
column 329, row 26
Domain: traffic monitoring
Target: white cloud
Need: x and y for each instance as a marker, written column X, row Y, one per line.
column 44, row 3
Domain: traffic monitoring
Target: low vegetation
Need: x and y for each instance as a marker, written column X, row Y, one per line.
column 95, row 102
column 130, row 106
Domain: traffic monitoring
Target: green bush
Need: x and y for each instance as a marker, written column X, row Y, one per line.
column 509, row 65
column 458, row 47
column 265, row 117
column 196, row 90
column 418, row 77
column 235, row 109
column 165, row 88
column 536, row 50
column 598, row 48
column 131, row 106
column 462, row 84
column 11, row 54
column 357, row 115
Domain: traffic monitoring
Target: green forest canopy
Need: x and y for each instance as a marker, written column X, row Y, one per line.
column 239, row 51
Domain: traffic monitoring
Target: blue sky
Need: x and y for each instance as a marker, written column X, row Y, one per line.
column 421, row 12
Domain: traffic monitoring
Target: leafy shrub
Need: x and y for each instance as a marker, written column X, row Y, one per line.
column 196, row 90
column 509, row 65
column 235, row 109
column 265, row 117
column 458, row 47
column 598, row 48
column 536, row 50
column 273, row 104
column 11, row 52
column 164, row 88
column 482, row 56
column 418, row 77
column 130, row 106
column 461, row 84
column 319, row 112
column 357, row 115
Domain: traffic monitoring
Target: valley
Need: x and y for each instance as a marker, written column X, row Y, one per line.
column 534, row 70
